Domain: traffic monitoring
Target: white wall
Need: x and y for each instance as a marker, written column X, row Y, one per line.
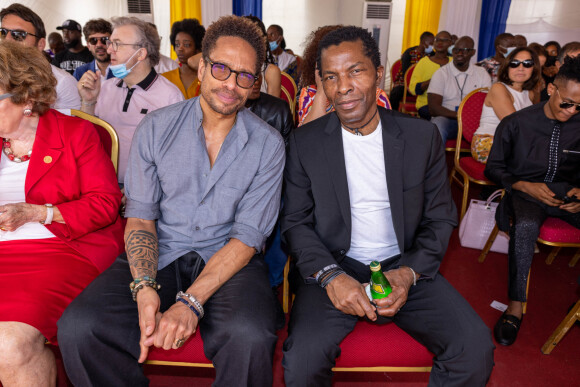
column 55, row 12
column 300, row 17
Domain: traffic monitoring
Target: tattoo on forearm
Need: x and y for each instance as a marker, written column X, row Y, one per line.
column 142, row 253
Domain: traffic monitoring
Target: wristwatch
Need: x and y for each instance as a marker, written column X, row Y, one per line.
column 49, row 214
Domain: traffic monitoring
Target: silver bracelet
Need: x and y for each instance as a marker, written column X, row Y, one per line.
column 88, row 103
column 414, row 275
column 193, row 300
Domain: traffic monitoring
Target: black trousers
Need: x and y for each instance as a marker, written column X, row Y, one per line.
column 99, row 333
column 527, row 218
column 435, row 314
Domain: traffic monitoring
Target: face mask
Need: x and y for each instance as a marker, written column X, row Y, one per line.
column 450, row 49
column 274, row 45
column 120, row 71
column 508, row 51
column 429, row 49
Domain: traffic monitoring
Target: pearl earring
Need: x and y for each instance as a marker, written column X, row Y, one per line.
column 27, row 112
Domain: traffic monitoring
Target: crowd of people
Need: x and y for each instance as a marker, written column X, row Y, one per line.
column 216, row 185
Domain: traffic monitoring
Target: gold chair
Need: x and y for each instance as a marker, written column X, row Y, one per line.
column 107, row 133
column 562, row 329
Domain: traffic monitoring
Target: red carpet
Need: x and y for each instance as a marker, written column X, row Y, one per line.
column 553, row 289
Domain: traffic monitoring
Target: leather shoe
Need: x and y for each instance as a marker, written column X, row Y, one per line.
column 506, row 329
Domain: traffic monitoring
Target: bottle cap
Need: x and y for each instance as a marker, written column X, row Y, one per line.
column 375, row 266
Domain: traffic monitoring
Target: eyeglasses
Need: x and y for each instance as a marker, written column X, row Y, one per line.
column 4, row 96
column 117, row 44
column 221, row 72
column 17, row 35
column 464, row 51
column 567, row 105
column 442, row 40
column 514, row 64
column 102, row 39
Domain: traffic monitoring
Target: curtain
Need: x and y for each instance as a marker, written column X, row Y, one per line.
column 211, row 10
column 461, row 17
column 494, row 14
column 247, row 7
column 420, row 16
column 184, row 9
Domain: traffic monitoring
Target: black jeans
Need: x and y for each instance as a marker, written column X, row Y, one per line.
column 99, row 332
column 435, row 314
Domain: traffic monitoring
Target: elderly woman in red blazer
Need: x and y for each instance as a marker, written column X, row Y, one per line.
column 59, row 222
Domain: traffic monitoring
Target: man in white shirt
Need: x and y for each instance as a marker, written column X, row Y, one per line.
column 450, row 84
column 21, row 24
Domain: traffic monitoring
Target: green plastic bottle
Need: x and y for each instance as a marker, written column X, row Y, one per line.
column 380, row 286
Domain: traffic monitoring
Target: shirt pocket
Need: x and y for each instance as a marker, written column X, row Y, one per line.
column 224, row 203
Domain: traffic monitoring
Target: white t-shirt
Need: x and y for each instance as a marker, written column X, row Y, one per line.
column 284, row 59
column 373, row 234
column 12, row 178
column 453, row 85
column 67, row 94
column 165, row 64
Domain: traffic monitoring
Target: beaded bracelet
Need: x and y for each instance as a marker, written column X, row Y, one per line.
column 193, row 300
column 140, row 283
column 189, row 306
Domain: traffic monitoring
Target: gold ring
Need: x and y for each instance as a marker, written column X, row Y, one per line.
column 83, row 84
column 179, row 343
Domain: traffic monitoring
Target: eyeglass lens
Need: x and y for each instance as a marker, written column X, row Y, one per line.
column 103, row 39
column 221, row 72
column 567, row 105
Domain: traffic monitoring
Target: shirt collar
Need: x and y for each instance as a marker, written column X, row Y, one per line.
column 146, row 83
column 456, row 72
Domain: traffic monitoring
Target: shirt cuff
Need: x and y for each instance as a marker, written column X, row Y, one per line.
column 247, row 235
column 146, row 211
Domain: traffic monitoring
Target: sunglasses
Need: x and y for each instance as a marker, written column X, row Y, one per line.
column 526, row 63
column 17, row 35
column 102, row 39
column 221, row 72
column 465, row 51
column 567, row 105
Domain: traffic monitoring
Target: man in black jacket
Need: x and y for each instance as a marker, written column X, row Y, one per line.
column 362, row 184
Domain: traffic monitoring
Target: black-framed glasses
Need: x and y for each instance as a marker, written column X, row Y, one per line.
column 566, row 105
column 117, row 44
column 442, row 40
column 4, row 96
column 17, row 35
column 464, row 51
column 102, row 39
column 526, row 63
column 221, row 72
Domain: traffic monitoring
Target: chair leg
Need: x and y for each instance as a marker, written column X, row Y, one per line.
column 488, row 244
column 465, row 195
column 286, row 288
column 552, row 255
column 574, row 259
column 562, row 329
column 452, row 176
column 525, row 304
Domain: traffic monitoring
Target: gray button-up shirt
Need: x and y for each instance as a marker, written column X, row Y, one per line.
column 198, row 207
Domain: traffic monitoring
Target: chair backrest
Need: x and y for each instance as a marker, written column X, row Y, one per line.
column 106, row 132
column 288, row 90
column 395, row 68
column 468, row 116
column 407, row 97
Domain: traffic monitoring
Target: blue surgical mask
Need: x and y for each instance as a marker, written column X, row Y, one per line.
column 450, row 49
column 429, row 49
column 508, row 51
column 274, row 45
column 120, row 71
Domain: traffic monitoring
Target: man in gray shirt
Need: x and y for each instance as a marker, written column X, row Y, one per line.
column 203, row 190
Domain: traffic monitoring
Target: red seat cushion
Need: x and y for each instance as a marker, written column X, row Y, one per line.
column 191, row 352
column 409, row 107
column 372, row 345
column 473, row 168
column 557, row 231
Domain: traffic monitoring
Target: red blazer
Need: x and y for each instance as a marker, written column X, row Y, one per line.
column 70, row 169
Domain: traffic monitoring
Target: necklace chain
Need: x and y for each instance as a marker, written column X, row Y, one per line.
column 6, row 148
column 357, row 130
